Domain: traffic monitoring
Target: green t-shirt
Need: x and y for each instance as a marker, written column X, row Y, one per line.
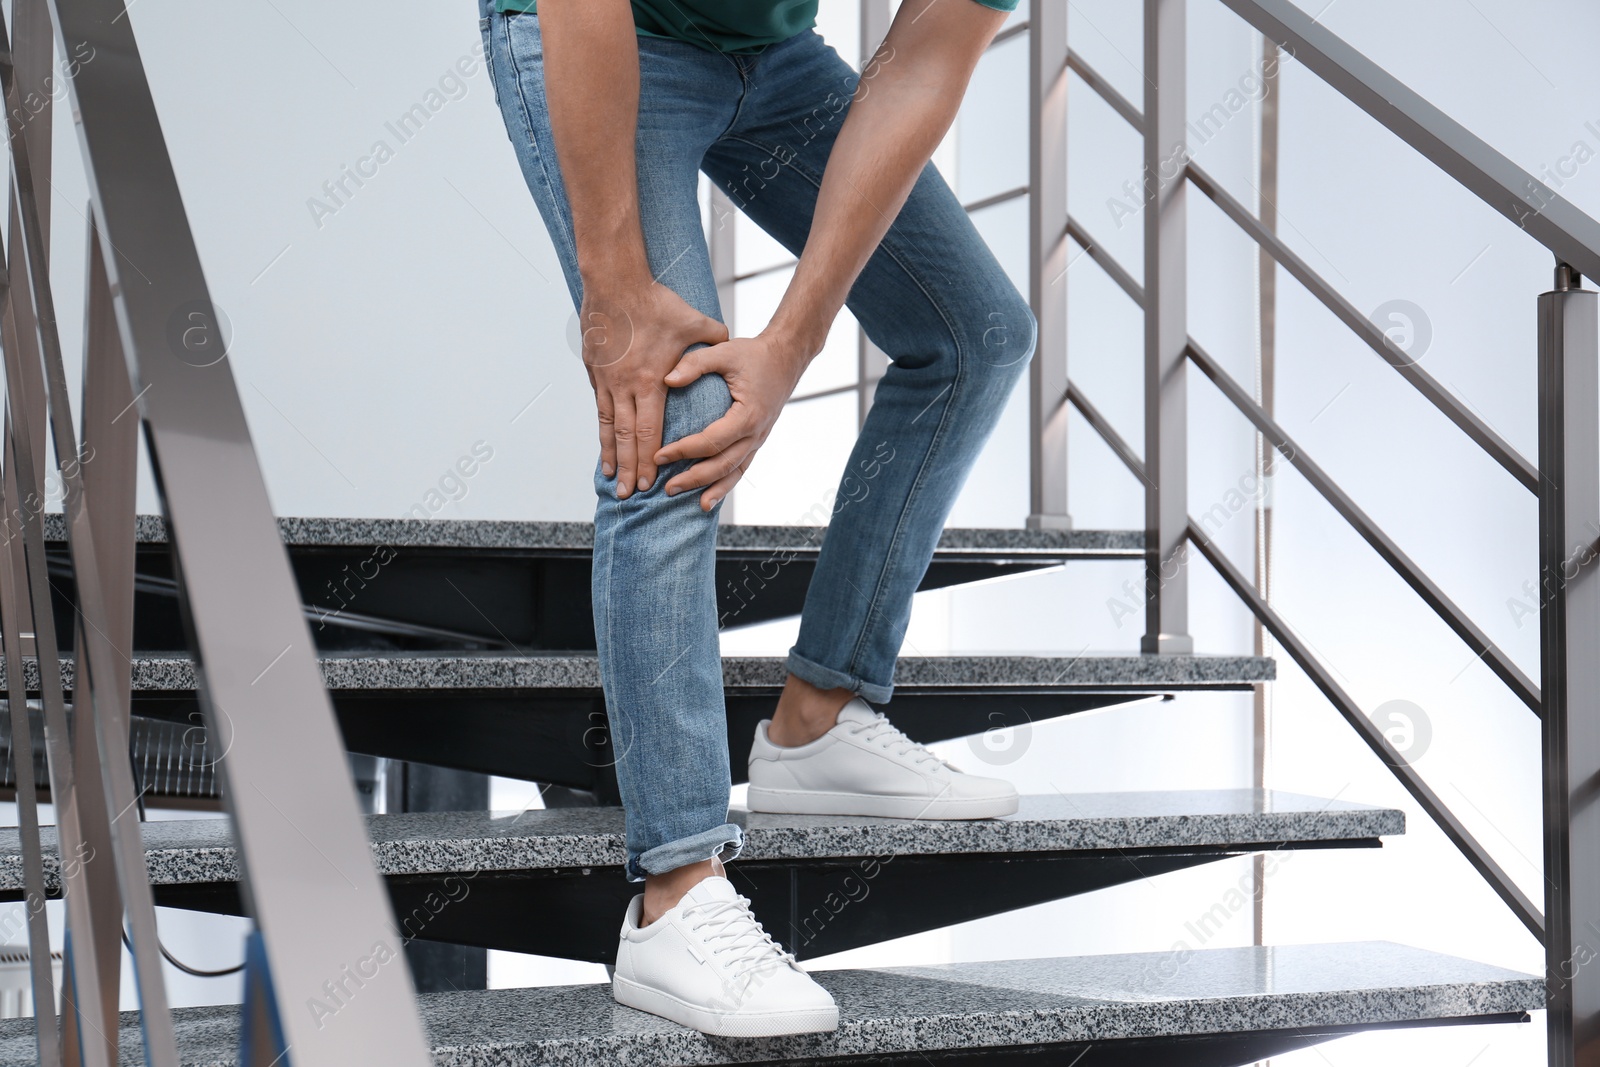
column 737, row 26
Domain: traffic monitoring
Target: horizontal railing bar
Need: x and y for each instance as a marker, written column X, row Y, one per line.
column 1476, row 854
column 1391, row 553
column 788, row 264
column 1009, row 32
column 976, row 205
column 1556, row 223
column 1107, row 262
column 1453, row 617
column 1107, row 432
column 1119, row 103
column 997, row 198
column 835, row 391
column 1453, row 409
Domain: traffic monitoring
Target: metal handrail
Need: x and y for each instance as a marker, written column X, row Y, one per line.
column 1014, row 30
column 1108, row 263
column 1544, row 215
column 1322, row 678
column 1498, row 661
column 1107, row 432
column 995, row 199
column 1474, row 852
column 1566, row 478
column 98, row 652
column 992, row 200
column 1380, row 342
column 1119, row 103
column 1565, row 232
column 151, row 319
column 1436, row 394
column 1391, row 553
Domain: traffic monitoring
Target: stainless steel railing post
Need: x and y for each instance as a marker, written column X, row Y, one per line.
column 871, row 362
column 1166, row 332
column 1569, row 617
column 1047, row 261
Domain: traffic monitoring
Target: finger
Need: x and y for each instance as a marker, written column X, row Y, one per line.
column 608, row 438
column 648, row 410
column 708, row 471
column 691, row 366
column 627, row 454
column 724, row 485
column 711, row 331
column 709, row 441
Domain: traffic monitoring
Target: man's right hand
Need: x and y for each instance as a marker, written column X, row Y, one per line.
column 634, row 329
column 632, row 337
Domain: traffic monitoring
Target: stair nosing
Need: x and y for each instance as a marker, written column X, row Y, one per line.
column 537, row 535
column 580, row 670
column 441, row 844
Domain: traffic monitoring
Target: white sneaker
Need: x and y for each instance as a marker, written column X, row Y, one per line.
column 865, row 766
column 709, row 965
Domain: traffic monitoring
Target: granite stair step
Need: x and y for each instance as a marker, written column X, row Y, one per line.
column 541, row 716
column 1216, row 1007
column 823, row 884
column 493, row 584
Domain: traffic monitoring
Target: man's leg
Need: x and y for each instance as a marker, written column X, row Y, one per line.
column 935, row 299
column 654, row 593
column 654, row 589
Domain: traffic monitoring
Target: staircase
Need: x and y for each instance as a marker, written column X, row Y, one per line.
column 469, row 688
column 267, row 652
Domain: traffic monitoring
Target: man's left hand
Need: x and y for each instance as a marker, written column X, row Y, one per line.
column 761, row 373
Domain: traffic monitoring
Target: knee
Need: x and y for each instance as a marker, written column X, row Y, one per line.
column 1008, row 333
column 694, row 407
column 688, row 411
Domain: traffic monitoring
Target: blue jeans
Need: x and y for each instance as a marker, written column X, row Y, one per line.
column 932, row 297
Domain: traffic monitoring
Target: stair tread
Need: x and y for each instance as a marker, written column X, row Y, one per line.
column 579, row 536
column 581, row 670
column 190, row 851
column 950, row 1006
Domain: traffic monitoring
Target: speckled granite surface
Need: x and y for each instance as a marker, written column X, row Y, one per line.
column 544, row 670
column 201, row 850
column 922, row 1009
column 579, row 536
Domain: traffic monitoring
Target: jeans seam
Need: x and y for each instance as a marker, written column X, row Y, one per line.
column 897, row 540
column 533, row 140
column 744, row 91
column 875, row 601
column 487, row 29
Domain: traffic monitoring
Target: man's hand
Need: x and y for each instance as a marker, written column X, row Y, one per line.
column 630, row 341
column 903, row 105
column 761, row 373
column 634, row 330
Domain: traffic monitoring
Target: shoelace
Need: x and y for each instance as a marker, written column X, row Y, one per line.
column 746, row 944
column 880, row 731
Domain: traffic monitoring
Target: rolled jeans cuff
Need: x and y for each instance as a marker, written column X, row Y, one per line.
column 828, row 678
column 726, row 841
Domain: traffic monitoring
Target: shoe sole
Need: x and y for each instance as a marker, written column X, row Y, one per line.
column 721, row 1023
column 813, row 802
